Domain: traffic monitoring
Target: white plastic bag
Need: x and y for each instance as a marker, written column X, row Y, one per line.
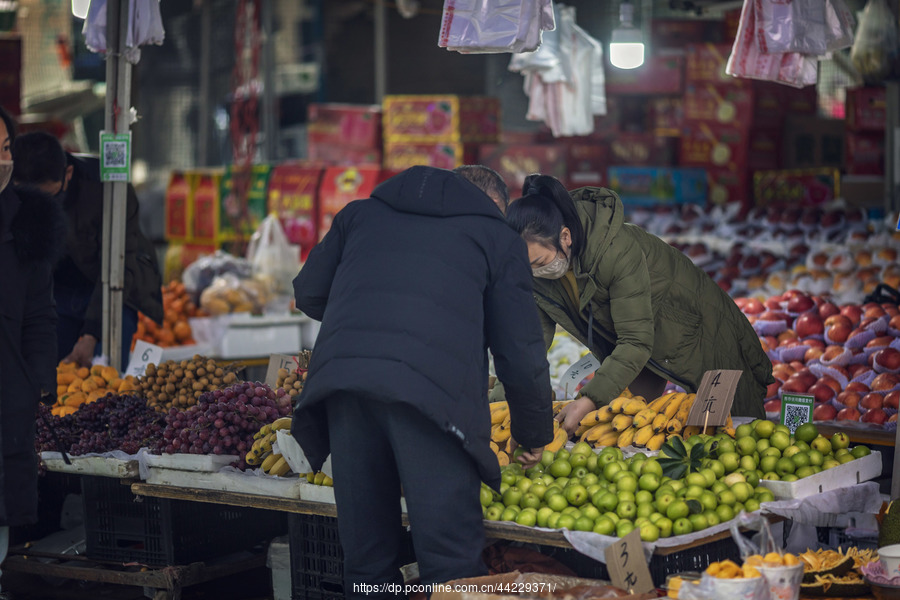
column 493, row 26
column 805, row 26
column 271, row 255
column 144, row 27
column 875, row 48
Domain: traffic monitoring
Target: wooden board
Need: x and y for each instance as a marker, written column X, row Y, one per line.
column 877, row 437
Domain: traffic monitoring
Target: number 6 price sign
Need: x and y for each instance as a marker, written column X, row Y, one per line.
column 142, row 355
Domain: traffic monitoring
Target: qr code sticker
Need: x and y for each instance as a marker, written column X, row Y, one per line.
column 116, row 154
column 795, row 415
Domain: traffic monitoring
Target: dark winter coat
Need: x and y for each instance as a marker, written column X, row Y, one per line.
column 83, row 206
column 412, row 286
column 31, row 232
column 651, row 307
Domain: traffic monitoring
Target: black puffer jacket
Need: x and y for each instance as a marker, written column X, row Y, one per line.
column 32, row 231
column 412, row 286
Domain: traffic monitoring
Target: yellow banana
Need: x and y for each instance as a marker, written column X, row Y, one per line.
column 685, row 407
column 673, row 405
column 643, row 435
column 280, row 468
column 625, row 438
column 626, row 393
column 494, row 447
column 658, row 404
column 270, row 462
column 618, row 404
column 674, row 426
column 319, row 479
column 495, row 406
column 263, row 432
column 558, row 405
column 595, row 432
column 503, row 458
column 656, row 442
column 559, row 440
column 605, row 414
column 691, row 430
column 659, row 422
column 582, row 429
column 498, row 416
column 634, row 406
column 645, row 417
column 500, row 434
column 282, row 423
column 622, row 422
column 591, row 418
column 607, row 439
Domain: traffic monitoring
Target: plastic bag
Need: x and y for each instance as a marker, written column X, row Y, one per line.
column 493, row 26
column 272, row 256
column 229, row 294
column 875, row 48
column 200, row 274
column 839, row 25
column 144, row 27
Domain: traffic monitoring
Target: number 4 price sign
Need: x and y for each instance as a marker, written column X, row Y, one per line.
column 714, row 398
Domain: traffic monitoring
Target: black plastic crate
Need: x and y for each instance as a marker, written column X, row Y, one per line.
column 160, row 531
column 317, row 560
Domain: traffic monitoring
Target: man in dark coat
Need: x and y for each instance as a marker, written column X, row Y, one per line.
column 412, row 286
column 31, row 231
column 78, row 288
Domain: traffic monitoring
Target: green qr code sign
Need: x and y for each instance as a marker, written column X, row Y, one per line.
column 115, row 156
column 796, row 409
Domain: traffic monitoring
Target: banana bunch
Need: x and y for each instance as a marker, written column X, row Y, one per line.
column 500, row 431
column 632, row 421
column 275, row 464
column 318, row 478
column 263, row 439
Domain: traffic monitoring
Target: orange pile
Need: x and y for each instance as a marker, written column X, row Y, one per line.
column 175, row 331
column 79, row 385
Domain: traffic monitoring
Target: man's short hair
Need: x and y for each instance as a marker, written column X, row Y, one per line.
column 488, row 180
column 39, row 158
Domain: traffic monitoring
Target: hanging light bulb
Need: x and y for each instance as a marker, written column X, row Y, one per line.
column 80, row 8
column 626, row 46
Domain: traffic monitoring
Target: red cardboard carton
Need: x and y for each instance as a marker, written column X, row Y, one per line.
column 587, row 163
column 207, row 190
column 179, row 206
column 339, row 187
column 811, row 141
column 667, row 116
column 354, row 125
column 706, row 64
column 865, row 153
column 728, row 185
column 441, row 118
column 514, row 163
column 804, row 101
column 796, row 187
column 642, row 150
column 293, row 196
column 660, row 74
column 768, row 104
column 672, row 33
column 444, row 155
column 866, row 109
column 718, row 105
column 764, row 151
column 714, row 147
column 338, row 155
column 239, row 218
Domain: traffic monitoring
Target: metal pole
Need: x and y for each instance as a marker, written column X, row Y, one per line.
column 118, row 104
column 205, row 57
column 269, row 123
column 892, row 152
column 380, row 51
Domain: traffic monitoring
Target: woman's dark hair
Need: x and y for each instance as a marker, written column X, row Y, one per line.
column 10, row 125
column 543, row 210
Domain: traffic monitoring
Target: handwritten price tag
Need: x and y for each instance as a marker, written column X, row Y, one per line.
column 714, row 398
column 577, row 372
column 143, row 355
column 276, row 362
column 627, row 565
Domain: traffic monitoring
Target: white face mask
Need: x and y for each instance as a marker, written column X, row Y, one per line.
column 6, row 170
column 555, row 269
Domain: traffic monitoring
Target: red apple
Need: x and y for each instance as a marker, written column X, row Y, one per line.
column 772, row 406
column 753, row 307
column 787, row 335
column 773, row 303
column 828, row 309
column 885, row 381
column 880, row 342
column 822, row 392
column 815, row 343
column 871, row 400
column 809, row 324
column 832, row 352
column 887, row 358
column 835, row 319
column 842, row 370
column 854, row 333
column 799, row 302
column 892, row 400
column 798, row 365
column 857, row 386
column 856, row 370
column 875, row 415
column 892, row 418
column 813, row 353
column 838, row 333
column 824, row 412
column 894, row 323
column 873, row 312
column 852, row 312
column 781, row 372
column 829, row 381
column 800, row 381
column 849, row 399
column 847, row 414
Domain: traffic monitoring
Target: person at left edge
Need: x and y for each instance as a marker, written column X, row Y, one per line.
column 78, row 288
column 31, row 232
column 412, row 286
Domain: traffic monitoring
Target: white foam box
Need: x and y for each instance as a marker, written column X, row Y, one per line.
column 199, row 463
column 247, row 336
column 845, row 475
column 276, row 487
column 91, row 465
column 279, row 562
column 179, row 353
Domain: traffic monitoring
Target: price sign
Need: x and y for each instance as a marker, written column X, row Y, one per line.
column 714, row 398
column 577, row 372
column 279, row 361
column 142, row 355
column 796, row 409
column 627, row 565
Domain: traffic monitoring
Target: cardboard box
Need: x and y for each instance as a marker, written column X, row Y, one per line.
column 293, row 196
column 804, row 101
column 179, row 206
column 207, row 206
column 863, row 191
column 465, row 589
column 514, row 163
column 660, row 74
column 764, row 149
column 239, row 219
column 586, row 164
column 11, row 72
column 866, row 109
column 796, row 187
column 642, row 150
column 650, row 186
column 667, row 116
column 717, row 105
column 339, row 187
column 865, row 153
column 672, row 33
column 728, row 185
column 813, row 142
column 338, row 155
column 441, row 118
column 444, row 155
column 769, row 109
column 353, row 125
column 706, row 64
column 717, row 147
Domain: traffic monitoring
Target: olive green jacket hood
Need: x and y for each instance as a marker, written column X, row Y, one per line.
column 643, row 303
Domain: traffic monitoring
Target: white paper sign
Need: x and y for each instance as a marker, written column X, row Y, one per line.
column 142, row 355
column 577, row 372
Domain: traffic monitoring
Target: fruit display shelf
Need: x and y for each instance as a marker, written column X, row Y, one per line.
column 851, row 473
column 101, row 466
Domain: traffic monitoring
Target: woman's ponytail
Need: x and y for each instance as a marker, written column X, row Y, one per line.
column 543, row 210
